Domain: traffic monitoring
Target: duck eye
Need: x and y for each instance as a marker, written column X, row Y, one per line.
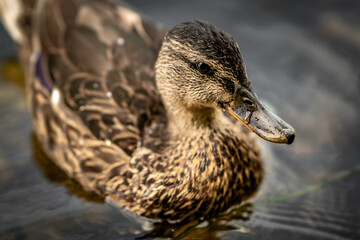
column 203, row 67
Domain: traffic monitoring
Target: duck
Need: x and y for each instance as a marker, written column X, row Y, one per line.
column 155, row 121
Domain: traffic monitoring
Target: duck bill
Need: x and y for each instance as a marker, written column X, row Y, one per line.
column 247, row 108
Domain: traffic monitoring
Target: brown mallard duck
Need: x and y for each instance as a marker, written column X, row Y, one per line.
column 156, row 140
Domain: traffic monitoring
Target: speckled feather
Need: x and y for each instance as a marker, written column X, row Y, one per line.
column 98, row 113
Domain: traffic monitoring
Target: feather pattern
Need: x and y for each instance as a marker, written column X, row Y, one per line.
column 97, row 111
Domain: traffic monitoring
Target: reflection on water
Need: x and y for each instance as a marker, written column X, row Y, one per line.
column 303, row 60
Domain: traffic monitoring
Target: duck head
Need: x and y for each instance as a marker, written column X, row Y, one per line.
column 200, row 67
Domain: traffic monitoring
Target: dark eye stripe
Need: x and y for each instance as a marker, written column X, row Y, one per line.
column 200, row 66
column 228, row 84
column 182, row 57
column 193, row 65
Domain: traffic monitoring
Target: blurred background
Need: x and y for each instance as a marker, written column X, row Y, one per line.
column 302, row 58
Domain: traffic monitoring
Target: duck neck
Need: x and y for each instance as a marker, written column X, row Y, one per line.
column 189, row 120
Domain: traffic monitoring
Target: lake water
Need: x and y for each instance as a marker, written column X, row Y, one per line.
column 303, row 60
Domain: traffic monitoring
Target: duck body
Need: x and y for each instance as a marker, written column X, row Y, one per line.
column 100, row 116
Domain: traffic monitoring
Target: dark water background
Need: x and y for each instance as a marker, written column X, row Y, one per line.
column 303, row 58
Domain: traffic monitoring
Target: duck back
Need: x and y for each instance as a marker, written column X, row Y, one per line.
column 89, row 68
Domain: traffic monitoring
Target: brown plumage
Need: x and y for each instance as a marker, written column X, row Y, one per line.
column 152, row 140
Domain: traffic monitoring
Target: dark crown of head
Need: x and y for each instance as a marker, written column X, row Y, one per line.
column 207, row 40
